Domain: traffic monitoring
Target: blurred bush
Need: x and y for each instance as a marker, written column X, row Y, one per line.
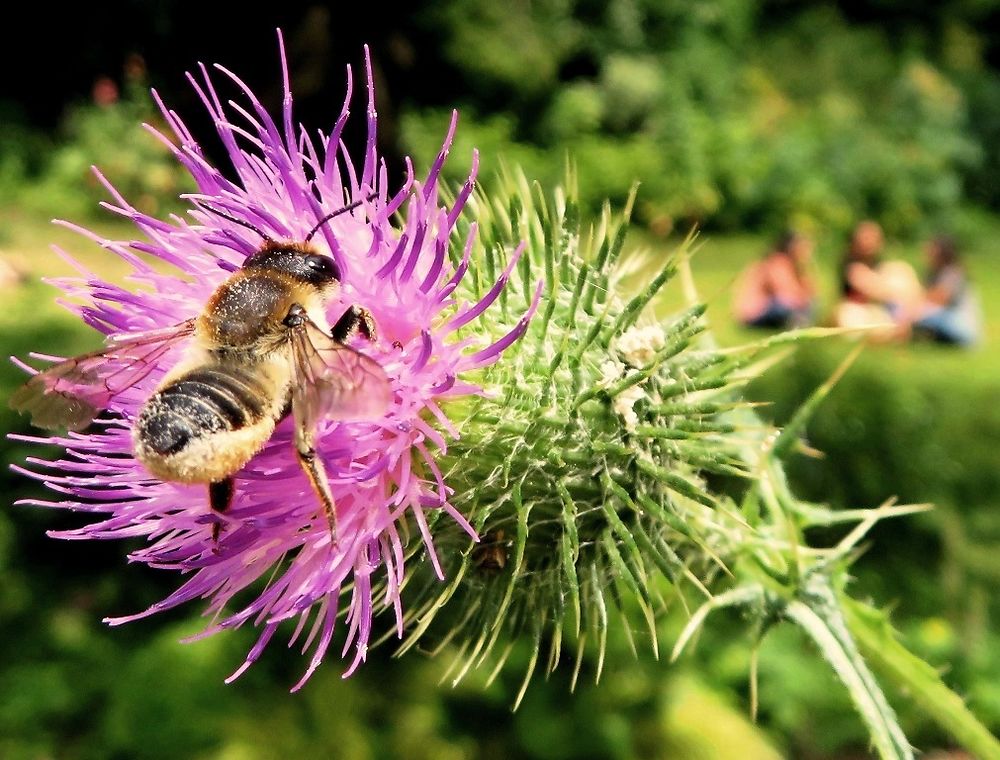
column 43, row 174
column 727, row 121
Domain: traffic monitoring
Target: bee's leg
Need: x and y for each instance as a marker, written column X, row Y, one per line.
column 220, row 497
column 355, row 320
column 316, row 473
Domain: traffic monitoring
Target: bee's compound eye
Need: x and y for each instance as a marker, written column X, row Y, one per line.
column 323, row 266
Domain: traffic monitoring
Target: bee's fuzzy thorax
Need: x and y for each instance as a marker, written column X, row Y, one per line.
column 252, row 304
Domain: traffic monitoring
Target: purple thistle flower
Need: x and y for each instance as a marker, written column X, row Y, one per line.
column 274, row 559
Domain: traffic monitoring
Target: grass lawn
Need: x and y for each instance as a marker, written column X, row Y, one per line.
column 718, row 259
column 31, row 319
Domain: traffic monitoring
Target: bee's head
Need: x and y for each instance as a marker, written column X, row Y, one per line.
column 297, row 259
column 301, row 263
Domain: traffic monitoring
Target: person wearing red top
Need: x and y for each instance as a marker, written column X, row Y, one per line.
column 776, row 291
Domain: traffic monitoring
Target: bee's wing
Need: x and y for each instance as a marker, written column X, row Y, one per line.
column 71, row 393
column 334, row 380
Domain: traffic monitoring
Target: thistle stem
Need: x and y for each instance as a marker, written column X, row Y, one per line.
column 916, row 679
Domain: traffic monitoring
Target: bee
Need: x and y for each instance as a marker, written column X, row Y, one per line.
column 261, row 349
column 491, row 555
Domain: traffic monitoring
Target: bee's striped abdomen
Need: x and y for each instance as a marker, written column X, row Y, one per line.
column 206, row 422
column 234, row 395
column 204, row 401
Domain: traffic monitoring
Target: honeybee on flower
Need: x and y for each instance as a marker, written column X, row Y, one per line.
column 363, row 337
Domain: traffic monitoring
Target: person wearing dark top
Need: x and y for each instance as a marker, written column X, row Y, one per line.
column 875, row 292
column 950, row 309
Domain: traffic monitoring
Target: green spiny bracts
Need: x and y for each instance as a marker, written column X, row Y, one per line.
column 584, row 471
column 592, row 473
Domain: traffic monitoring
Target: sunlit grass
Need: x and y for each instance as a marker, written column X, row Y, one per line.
column 31, row 319
column 719, row 258
column 26, row 241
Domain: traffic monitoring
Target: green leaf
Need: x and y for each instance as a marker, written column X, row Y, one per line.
column 916, row 679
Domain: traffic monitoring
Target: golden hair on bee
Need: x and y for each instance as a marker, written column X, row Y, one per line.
column 261, row 349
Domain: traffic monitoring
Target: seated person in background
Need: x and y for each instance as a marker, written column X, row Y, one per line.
column 777, row 291
column 950, row 310
column 873, row 291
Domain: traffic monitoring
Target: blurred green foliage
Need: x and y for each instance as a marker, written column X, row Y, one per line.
column 735, row 115
column 53, row 175
column 729, row 121
column 738, row 115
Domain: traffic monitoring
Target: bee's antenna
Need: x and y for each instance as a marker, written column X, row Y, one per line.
column 241, row 222
column 338, row 212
